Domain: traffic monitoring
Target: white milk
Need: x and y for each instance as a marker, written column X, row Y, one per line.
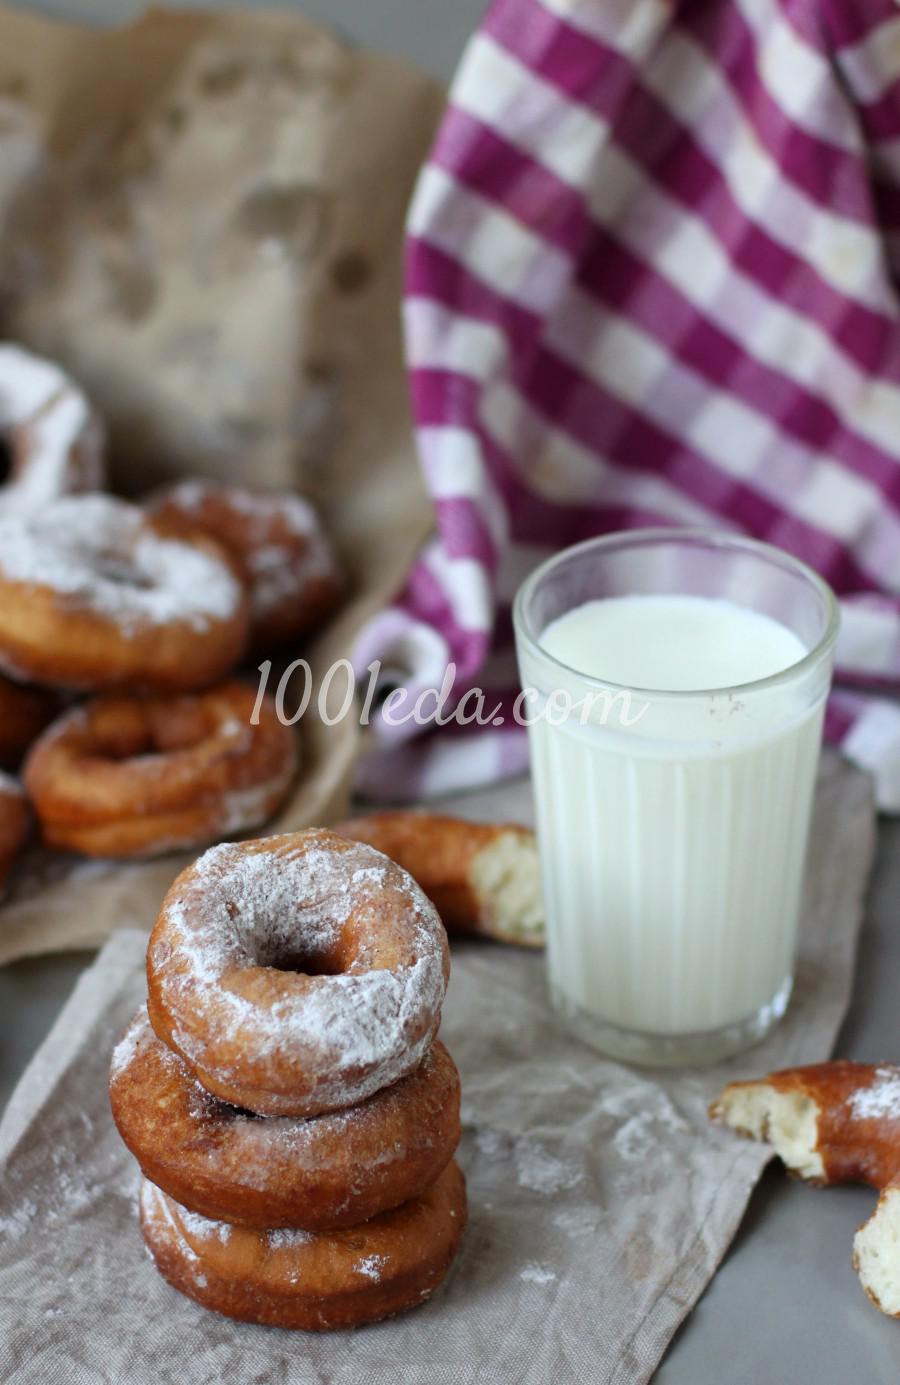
column 673, row 848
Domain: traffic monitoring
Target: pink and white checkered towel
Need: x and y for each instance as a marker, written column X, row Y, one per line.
column 653, row 270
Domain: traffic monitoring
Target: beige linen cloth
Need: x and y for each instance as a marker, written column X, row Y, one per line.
column 601, row 1199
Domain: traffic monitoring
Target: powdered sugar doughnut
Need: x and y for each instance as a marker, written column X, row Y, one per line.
column 291, row 572
column 297, row 974
column 137, row 776
column 54, row 437
column 329, row 1171
column 301, row 1279
column 92, row 597
column 15, row 820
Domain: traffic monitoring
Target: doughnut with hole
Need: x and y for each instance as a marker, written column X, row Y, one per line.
column 297, row 974
column 128, row 776
column 92, row 597
column 308, row 1280
column 316, row 1174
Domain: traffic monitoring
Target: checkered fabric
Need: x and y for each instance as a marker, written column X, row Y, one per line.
column 652, row 279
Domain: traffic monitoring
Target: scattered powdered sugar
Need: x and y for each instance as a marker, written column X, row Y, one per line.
column 644, row 1119
column 72, row 1192
column 537, row 1168
column 261, row 508
column 493, row 1144
column 287, row 904
column 371, row 1266
column 881, row 1100
column 637, row 1138
column 204, row 1228
column 542, row 1172
column 127, row 1047
column 156, row 1207
column 100, row 554
column 191, row 1224
column 283, row 1238
column 576, row 1222
column 536, row 1274
column 18, row 1223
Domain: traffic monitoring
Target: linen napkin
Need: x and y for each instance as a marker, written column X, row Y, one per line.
column 601, row 1200
column 652, row 279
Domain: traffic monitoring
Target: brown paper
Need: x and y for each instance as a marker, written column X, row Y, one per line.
column 201, row 217
column 601, row 1200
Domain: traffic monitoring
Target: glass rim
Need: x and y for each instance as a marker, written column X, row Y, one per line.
column 713, row 538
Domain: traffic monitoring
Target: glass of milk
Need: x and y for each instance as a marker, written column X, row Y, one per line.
column 674, row 684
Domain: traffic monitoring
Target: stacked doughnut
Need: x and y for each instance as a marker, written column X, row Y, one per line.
column 293, row 1115
column 146, row 612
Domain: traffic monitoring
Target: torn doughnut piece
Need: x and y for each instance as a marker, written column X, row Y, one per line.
column 483, row 878
column 833, row 1123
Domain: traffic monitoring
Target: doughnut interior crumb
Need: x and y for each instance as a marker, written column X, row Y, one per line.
column 876, row 1253
column 788, row 1121
column 506, row 878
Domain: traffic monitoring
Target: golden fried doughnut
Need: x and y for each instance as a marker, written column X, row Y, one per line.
column 319, row 1173
column 482, row 877
column 308, row 1280
column 92, row 597
column 24, row 712
column 15, row 820
column 53, row 436
column 138, row 776
column 276, row 539
column 296, row 974
column 835, row 1122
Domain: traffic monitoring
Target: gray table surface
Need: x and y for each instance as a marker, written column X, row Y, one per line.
column 785, row 1306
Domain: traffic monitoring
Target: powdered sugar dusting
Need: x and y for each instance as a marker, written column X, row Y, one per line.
column 543, row 1172
column 284, row 1238
column 100, row 555
column 533, row 1273
column 537, row 1168
column 278, row 568
column 52, row 419
column 371, row 1266
column 264, row 1150
column 127, row 1047
column 881, row 1100
column 238, row 909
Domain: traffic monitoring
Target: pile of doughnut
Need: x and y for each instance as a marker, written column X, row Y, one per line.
column 829, row 1123
column 120, row 629
column 283, row 1091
